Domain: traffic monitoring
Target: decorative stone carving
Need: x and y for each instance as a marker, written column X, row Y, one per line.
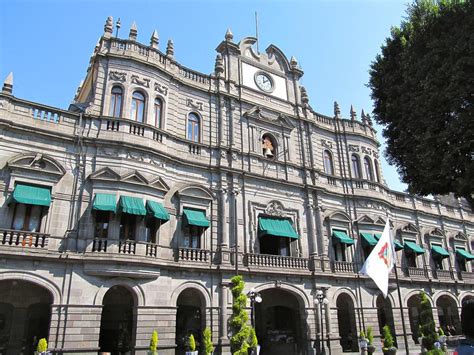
column 371, row 204
column 195, row 105
column 366, row 150
column 234, row 156
column 353, row 148
column 118, row 76
column 326, row 143
column 223, row 154
column 274, row 208
column 143, row 82
column 161, row 89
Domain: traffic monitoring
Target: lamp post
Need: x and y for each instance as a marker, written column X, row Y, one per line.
column 321, row 300
column 254, row 296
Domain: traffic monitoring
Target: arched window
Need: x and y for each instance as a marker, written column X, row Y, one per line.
column 137, row 111
column 268, row 146
column 368, row 169
column 328, row 167
column 158, row 111
column 193, row 127
column 377, row 173
column 355, row 166
column 115, row 109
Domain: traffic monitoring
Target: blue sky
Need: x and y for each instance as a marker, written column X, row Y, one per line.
column 47, row 43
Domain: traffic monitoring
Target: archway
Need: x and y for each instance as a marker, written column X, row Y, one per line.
column 347, row 323
column 25, row 316
column 117, row 323
column 385, row 315
column 189, row 318
column 278, row 323
column 414, row 310
column 448, row 315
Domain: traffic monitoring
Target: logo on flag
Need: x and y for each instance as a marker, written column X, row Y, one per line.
column 381, row 260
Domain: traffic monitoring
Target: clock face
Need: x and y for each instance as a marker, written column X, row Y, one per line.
column 264, row 82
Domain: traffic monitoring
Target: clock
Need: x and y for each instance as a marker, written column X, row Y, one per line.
column 264, row 82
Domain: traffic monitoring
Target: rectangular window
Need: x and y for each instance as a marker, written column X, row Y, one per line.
column 102, row 220
column 192, row 239
column 411, row 259
column 462, row 264
column 340, row 252
column 27, row 217
column 127, row 227
column 152, row 226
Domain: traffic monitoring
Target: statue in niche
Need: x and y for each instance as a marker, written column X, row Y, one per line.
column 267, row 147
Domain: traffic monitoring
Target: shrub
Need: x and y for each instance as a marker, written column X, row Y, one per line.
column 427, row 325
column 370, row 336
column 387, row 338
column 440, row 332
column 42, row 345
column 243, row 335
column 362, row 335
column 191, row 343
column 154, row 341
column 207, row 340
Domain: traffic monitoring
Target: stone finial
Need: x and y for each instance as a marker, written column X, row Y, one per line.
column 293, row 62
column 364, row 118
column 219, row 66
column 304, row 96
column 109, row 27
column 229, row 36
column 8, row 84
column 369, row 120
column 170, row 49
column 118, row 24
column 154, row 40
column 132, row 36
column 353, row 114
column 337, row 110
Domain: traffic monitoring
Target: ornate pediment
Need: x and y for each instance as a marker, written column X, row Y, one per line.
column 460, row 236
column 258, row 114
column 159, row 183
column 36, row 163
column 436, row 232
column 275, row 208
column 134, row 177
column 365, row 220
column 105, row 174
column 409, row 228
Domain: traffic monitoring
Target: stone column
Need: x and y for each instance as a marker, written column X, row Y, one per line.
column 223, row 339
column 223, row 218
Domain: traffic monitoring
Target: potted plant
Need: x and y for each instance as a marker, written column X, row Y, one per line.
column 191, row 345
column 153, row 343
column 363, row 342
column 42, row 347
column 370, row 341
column 207, row 341
column 388, row 348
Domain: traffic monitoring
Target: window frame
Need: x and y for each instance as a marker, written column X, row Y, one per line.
column 355, row 165
column 193, row 121
column 27, row 217
column 134, row 110
column 158, row 118
column 113, row 102
column 328, row 160
column 369, row 174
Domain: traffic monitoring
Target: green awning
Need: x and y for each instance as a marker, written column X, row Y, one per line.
column 132, row 205
column 31, row 195
column 414, row 247
column 277, row 227
column 104, row 202
column 195, row 218
column 368, row 239
column 342, row 237
column 461, row 253
column 439, row 251
column 398, row 246
column 157, row 210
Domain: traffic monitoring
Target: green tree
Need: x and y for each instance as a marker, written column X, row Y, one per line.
column 427, row 325
column 243, row 335
column 422, row 87
column 207, row 341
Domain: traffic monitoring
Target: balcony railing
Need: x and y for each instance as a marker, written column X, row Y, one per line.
column 191, row 254
column 99, row 245
column 127, row 246
column 276, row 261
column 466, row 276
column 416, row 272
column 346, row 267
column 151, row 249
column 443, row 274
column 23, row 239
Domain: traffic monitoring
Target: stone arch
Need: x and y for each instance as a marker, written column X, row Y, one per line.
column 449, row 294
column 131, row 285
column 466, row 296
column 274, row 144
column 297, row 292
column 35, row 279
column 377, row 294
column 416, row 293
column 274, row 51
column 347, row 291
column 31, row 161
column 180, row 189
column 339, row 215
column 206, row 296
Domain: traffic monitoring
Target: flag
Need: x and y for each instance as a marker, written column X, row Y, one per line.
column 381, row 260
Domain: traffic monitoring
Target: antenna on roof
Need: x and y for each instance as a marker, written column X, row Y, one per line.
column 256, row 29
column 117, row 27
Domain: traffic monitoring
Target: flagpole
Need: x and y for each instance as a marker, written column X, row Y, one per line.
column 401, row 312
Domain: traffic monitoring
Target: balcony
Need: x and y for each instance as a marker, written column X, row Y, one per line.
column 345, row 267
column 466, row 276
column 23, row 239
column 193, row 255
column 443, row 274
column 276, row 261
column 416, row 273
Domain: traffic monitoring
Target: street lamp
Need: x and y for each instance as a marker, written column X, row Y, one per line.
column 321, row 299
column 254, row 296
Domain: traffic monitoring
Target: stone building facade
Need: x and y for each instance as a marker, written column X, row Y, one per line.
column 132, row 210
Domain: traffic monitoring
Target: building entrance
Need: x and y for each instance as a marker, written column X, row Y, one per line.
column 278, row 323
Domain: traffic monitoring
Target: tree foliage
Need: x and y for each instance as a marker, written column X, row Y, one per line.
column 427, row 325
column 387, row 338
column 154, row 341
column 207, row 341
column 422, row 85
column 243, row 335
